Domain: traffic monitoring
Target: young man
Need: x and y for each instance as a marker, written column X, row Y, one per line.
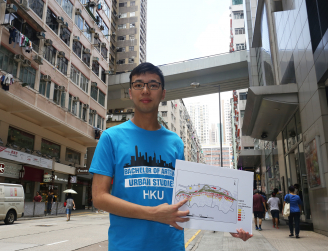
column 141, row 155
column 258, row 204
column 37, row 197
column 50, row 200
column 274, row 203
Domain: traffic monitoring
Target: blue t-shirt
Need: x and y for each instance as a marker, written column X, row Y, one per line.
column 294, row 201
column 142, row 163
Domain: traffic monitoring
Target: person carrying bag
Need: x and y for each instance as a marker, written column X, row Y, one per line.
column 293, row 208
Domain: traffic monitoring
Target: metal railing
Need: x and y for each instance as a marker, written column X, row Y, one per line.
column 34, row 209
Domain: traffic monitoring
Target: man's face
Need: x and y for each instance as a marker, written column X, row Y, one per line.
column 146, row 100
column 37, row 194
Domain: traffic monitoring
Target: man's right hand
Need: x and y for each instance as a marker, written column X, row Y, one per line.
column 170, row 214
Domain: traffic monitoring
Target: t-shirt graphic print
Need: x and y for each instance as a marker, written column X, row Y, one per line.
column 142, row 164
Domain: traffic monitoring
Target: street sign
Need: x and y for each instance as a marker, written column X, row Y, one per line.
column 82, row 170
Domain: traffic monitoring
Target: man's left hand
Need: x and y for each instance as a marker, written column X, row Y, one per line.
column 241, row 234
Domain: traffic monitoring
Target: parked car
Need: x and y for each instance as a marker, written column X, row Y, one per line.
column 11, row 202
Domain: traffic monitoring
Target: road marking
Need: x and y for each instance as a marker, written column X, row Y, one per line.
column 191, row 239
column 56, row 243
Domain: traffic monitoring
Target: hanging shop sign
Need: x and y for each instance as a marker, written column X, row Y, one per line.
column 9, row 170
column 58, row 178
column 82, row 170
column 73, row 179
column 25, row 158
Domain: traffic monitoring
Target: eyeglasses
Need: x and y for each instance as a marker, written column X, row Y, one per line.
column 152, row 85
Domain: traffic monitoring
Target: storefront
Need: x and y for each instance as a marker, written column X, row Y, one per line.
column 56, row 184
column 9, row 172
column 30, row 180
column 83, row 185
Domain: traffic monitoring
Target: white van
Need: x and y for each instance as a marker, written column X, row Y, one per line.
column 11, row 202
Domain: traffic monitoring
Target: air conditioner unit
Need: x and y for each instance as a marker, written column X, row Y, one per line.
column 76, row 99
column 11, row 8
column 61, row 88
column 38, row 60
column 48, row 42
column 76, row 38
column 24, row 4
column 86, row 51
column 60, row 20
column 117, row 48
column 19, row 58
column 101, row 27
column 26, row 63
column 96, row 35
column 107, row 72
column 103, row 44
column 92, row 30
column 94, row 84
column 78, row 12
column 95, row 59
column 45, row 78
column 85, row 106
column 61, row 54
column 92, row 3
column 93, row 111
column 40, row 35
column 64, row 25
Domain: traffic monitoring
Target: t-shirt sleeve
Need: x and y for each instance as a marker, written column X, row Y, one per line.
column 103, row 161
column 299, row 202
column 181, row 154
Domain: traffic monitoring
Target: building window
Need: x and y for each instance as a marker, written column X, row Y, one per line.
column 68, row 7
column 132, row 14
column 84, row 83
column 243, row 96
column 106, row 30
column 121, row 38
column 164, row 114
column 132, row 37
column 50, row 54
column 95, row 67
column 27, row 75
column 238, row 14
column 102, row 98
column 20, row 138
column 92, row 118
column 106, row 9
column 125, row 4
column 122, row 61
column 104, row 52
column 132, row 3
column 86, row 58
column 121, row 49
column 51, row 20
column 164, row 103
column 44, row 88
column 79, row 21
column 237, row 2
column 239, row 31
column 103, row 75
column 86, row 31
column 123, row 15
column 7, row 62
column 240, row 47
column 65, row 35
column 74, row 107
column 242, row 113
column 132, row 25
column 97, row 41
column 84, row 113
column 37, row 7
column 121, row 26
column 131, row 48
column 131, row 60
column 75, row 75
column 50, row 149
column 62, row 64
column 94, row 92
column 77, row 48
column 59, row 96
column 70, row 102
column 72, row 156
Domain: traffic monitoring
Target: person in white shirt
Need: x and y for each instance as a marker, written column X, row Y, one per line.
column 274, row 203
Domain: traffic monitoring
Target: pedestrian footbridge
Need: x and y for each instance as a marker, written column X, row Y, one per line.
column 229, row 71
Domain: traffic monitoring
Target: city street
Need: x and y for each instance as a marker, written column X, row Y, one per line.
column 88, row 231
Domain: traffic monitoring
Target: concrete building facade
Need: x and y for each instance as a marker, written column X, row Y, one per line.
column 237, row 26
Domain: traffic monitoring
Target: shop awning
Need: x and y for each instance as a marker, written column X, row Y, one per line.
column 268, row 109
column 26, row 16
column 249, row 159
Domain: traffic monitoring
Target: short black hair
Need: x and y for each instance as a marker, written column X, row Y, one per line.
column 273, row 194
column 144, row 68
column 291, row 189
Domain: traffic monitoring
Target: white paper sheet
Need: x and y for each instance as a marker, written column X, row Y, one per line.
column 220, row 199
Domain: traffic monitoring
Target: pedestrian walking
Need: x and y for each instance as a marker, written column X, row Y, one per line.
column 50, row 199
column 70, row 204
column 274, row 203
column 295, row 211
column 37, row 197
column 258, row 205
column 265, row 198
column 140, row 216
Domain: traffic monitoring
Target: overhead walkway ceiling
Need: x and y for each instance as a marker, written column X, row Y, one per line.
column 229, row 71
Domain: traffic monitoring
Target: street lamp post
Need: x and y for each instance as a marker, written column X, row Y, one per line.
column 220, row 128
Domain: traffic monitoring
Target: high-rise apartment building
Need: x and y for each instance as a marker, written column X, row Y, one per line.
column 129, row 34
column 199, row 114
column 54, row 63
column 226, row 111
column 237, row 26
column 212, row 155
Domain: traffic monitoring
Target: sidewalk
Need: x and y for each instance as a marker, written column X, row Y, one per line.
column 74, row 212
column 280, row 240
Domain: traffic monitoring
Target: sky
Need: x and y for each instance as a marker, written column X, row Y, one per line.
column 179, row 30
